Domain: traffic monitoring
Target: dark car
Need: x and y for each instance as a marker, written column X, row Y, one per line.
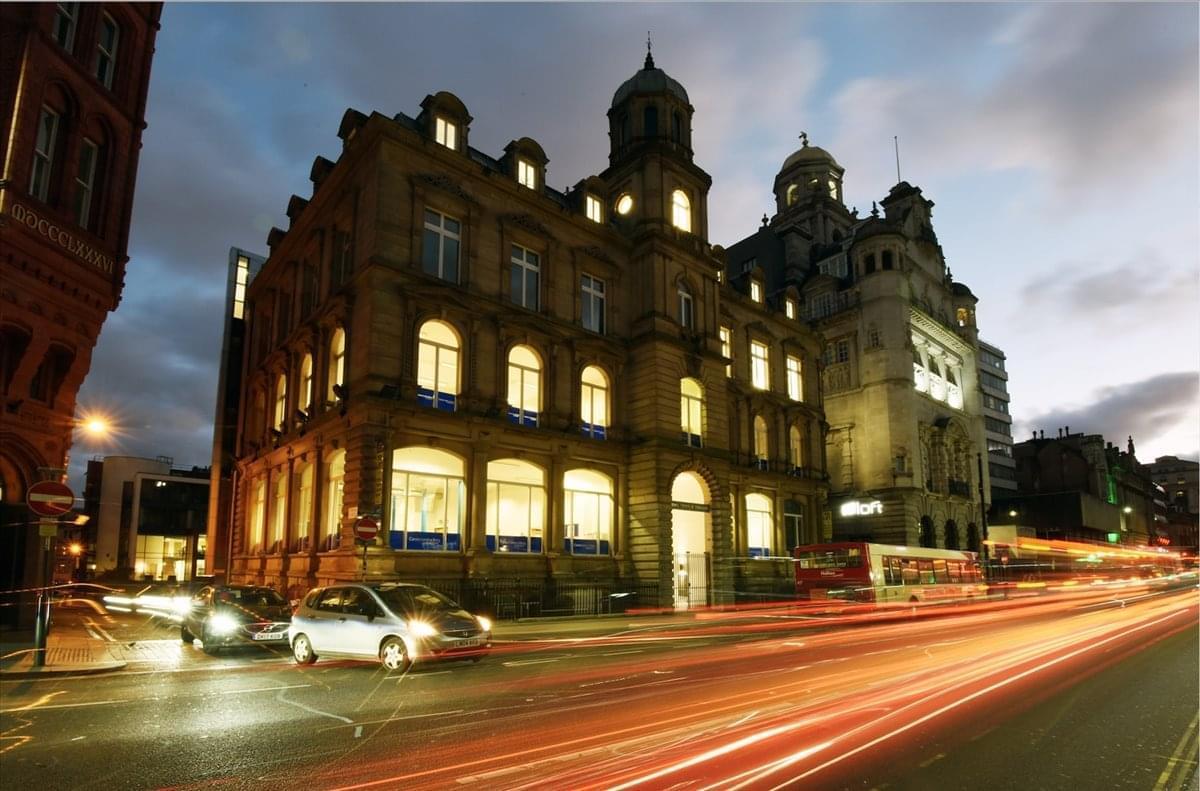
column 222, row 615
column 395, row 624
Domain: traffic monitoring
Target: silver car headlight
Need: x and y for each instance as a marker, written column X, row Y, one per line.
column 421, row 629
column 220, row 623
column 484, row 623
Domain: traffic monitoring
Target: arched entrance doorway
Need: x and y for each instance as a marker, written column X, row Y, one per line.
column 691, row 539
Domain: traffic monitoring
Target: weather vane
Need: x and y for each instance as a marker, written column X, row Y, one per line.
column 804, row 139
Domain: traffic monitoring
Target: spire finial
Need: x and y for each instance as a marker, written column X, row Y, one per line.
column 649, row 58
column 804, row 139
column 874, row 209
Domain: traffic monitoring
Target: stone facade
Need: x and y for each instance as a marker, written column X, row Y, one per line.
column 73, row 82
column 898, row 370
column 532, row 384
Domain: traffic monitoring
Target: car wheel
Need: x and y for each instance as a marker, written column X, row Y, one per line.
column 185, row 634
column 302, row 650
column 393, row 654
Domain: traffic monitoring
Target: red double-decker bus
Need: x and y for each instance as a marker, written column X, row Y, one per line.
column 859, row 571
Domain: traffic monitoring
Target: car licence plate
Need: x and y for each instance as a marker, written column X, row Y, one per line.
column 270, row 635
column 468, row 643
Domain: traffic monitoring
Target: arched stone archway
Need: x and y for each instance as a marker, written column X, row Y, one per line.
column 691, row 538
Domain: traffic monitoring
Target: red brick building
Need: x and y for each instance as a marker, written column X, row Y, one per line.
column 73, row 83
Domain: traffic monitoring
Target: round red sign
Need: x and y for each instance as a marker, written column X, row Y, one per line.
column 366, row 528
column 50, row 498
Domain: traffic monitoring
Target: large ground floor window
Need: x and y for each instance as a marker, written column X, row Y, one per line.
column 759, row 525
column 428, row 500
column 162, row 558
column 587, row 512
column 516, row 506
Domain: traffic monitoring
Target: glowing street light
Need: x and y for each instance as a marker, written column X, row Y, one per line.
column 76, row 548
column 96, row 426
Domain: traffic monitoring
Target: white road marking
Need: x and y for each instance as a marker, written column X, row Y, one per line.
column 620, row 653
column 357, row 731
column 519, row 662
column 261, row 689
column 63, row 706
column 359, row 725
column 312, row 710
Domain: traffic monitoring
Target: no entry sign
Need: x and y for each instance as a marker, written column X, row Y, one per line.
column 50, row 498
column 366, row 528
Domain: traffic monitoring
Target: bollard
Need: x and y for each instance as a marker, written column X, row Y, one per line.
column 41, row 626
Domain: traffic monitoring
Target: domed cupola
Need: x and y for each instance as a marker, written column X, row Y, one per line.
column 649, row 108
column 810, row 173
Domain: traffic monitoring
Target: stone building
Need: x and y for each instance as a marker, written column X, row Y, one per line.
column 522, row 385
column 898, row 367
column 1079, row 487
column 73, row 82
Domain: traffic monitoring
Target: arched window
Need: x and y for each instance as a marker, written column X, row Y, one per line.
column 13, row 343
column 516, row 506
column 587, row 512
column 795, row 448
column 868, row 263
column 951, row 531
column 257, row 417
column 793, row 192
column 303, row 512
column 676, row 127
column 691, row 408
column 681, row 211
column 593, row 403
column 258, row 514
column 337, row 365
column 927, row 538
column 524, row 386
column 51, row 373
column 761, row 450
column 429, row 496
column 887, row 259
column 279, row 495
column 306, row 385
column 279, row 423
column 972, row 537
column 760, row 527
column 437, row 366
column 335, row 485
column 650, row 121
column 88, row 183
column 686, row 309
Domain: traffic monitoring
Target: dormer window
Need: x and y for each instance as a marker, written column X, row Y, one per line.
column 624, row 204
column 592, row 207
column 833, row 187
column 756, row 293
column 446, row 133
column 681, row 211
column 789, row 307
column 792, row 192
column 526, row 174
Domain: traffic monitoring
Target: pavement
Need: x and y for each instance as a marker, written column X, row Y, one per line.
column 70, row 651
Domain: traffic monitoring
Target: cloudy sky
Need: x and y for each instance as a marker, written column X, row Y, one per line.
column 1059, row 142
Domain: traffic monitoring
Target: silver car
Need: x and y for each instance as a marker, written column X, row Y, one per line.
column 395, row 623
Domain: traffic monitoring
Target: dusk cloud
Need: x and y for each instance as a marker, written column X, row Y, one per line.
column 1146, row 410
